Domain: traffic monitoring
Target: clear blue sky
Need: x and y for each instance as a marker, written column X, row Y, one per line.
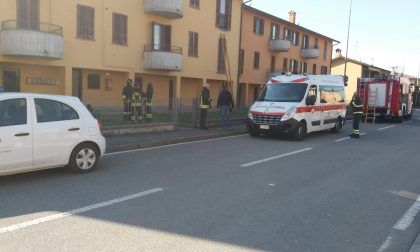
column 385, row 32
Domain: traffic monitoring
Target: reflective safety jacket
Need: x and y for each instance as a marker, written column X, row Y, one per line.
column 205, row 98
column 357, row 106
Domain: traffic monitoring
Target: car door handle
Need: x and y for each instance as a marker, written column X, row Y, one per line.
column 74, row 129
column 21, row 134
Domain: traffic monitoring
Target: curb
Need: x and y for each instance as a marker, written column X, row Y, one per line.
column 416, row 245
column 137, row 146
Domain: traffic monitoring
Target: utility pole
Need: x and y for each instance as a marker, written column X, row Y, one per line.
column 348, row 35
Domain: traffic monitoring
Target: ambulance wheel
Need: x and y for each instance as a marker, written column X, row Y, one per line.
column 300, row 132
column 252, row 132
column 337, row 126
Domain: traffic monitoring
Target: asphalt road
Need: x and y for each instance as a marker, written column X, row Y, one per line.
column 326, row 193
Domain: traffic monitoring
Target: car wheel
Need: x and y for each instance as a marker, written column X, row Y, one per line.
column 300, row 132
column 337, row 126
column 84, row 158
column 252, row 132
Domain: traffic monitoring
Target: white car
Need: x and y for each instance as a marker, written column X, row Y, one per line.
column 47, row 131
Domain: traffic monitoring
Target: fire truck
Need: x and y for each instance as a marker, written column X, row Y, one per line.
column 386, row 98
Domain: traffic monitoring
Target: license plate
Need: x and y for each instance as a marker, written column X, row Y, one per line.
column 266, row 127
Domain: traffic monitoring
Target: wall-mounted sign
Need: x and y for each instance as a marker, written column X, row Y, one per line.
column 42, row 81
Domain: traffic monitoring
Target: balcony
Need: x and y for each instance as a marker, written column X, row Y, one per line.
column 171, row 9
column 279, row 45
column 31, row 39
column 311, row 52
column 165, row 58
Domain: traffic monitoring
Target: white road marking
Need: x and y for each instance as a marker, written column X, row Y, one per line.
column 407, row 122
column 407, row 219
column 275, row 157
column 384, row 128
column 171, row 145
column 402, row 224
column 347, row 138
column 49, row 218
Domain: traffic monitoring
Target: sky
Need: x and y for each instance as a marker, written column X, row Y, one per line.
column 383, row 32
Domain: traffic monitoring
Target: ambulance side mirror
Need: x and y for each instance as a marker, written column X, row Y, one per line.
column 345, row 79
column 310, row 100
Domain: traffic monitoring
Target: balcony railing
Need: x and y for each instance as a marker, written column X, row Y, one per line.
column 25, row 38
column 163, row 57
column 310, row 52
column 279, row 45
column 171, row 9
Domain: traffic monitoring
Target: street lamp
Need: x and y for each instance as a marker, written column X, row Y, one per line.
column 348, row 35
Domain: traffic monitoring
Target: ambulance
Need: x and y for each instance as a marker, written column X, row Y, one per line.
column 299, row 104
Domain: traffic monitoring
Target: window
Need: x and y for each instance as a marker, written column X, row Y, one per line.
column 304, row 67
column 119, row 29
column 286, row 34
column 294, row 64
column 256, row 60
column 275, row 31
column 305, row 42
column 193, row 44
column 331, row 94
column 295, row 38
column 94, row 81
column 324, row 70
column 85, row 22
column 314, row 69
column 273, row 64
column 258, row 26
column 316, row 44
column 241, row 61
column 13, row 112
column 161, row 38
column 221, row 68
column 312, row 94
column 28, row 14
column 223, row 14
column 195, row 4
column 52, row 111
column 324, row 55
column 285, row 60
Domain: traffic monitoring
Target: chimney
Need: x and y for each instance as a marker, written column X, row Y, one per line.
column 292, row 17
column 338, row 53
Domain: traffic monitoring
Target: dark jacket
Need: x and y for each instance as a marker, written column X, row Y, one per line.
column 205, row 98
column 357, row 106
column 128, row 92
column 225, row 99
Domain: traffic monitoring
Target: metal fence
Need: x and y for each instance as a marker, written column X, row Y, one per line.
column 184, row 114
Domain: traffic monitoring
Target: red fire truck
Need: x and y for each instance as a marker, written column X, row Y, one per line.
column 388, row 98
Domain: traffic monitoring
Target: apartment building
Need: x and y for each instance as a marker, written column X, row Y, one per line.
column 271, row 45
column 354, row 70
column 89, row 48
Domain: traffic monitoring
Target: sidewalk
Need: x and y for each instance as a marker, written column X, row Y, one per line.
column 416, row 245
column 146, row 140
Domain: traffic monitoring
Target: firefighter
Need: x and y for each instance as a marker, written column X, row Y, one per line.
column 205, row 100
column 137, row 104
column 149, row 101
column 357, row 107
column 127, row 94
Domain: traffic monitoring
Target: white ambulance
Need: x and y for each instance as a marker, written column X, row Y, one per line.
column 299, row 104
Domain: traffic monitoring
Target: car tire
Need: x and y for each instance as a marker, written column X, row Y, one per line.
column 300, row 132
column 252, row 132
column 337, row 126
column 84, row 158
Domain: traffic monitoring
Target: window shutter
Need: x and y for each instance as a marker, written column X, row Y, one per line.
column 218, row 13
column 196, row 44
column 124, row 29
column 229, row 13
column 255, row 25
column 91, row 23
column 190, row 43
column 262, row 26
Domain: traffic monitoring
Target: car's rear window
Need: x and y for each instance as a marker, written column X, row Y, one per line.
column 51, row 111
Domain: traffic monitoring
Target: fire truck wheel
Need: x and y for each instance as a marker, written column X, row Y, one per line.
column 337, row 126
column 300, row 132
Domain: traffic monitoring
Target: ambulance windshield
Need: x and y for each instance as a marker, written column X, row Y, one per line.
column 284, row 92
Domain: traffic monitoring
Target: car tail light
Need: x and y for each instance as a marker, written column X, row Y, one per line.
column 99, row 124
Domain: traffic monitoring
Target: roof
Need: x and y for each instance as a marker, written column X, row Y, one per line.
column 288, row 23
column 359, row 63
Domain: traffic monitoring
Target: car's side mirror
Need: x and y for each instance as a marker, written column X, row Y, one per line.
column 310, row 100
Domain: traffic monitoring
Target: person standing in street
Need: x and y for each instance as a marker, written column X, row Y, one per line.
column 127, row 94
column 357, row 107
column 225, row 105
column 204, row 105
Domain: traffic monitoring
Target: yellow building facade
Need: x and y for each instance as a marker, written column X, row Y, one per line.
column 89, row 48
column 271, row 46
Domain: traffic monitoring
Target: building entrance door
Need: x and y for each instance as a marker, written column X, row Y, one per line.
column 11, row 82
